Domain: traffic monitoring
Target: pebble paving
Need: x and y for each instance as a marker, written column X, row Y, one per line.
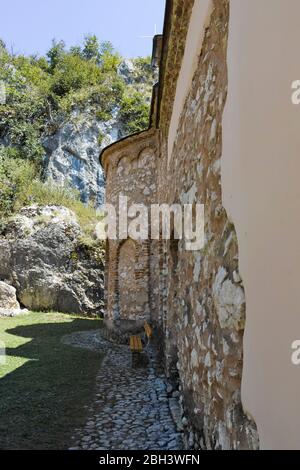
column 131, row 409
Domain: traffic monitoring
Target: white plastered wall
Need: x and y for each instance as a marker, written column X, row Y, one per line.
column 261, row 192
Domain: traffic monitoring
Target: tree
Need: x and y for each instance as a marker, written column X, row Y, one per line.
column 106, row 47
column 134, row 113
column 16, row 175
column 2, row 46
column 91, row 48
column 76, row 50
column 109, row 58
column 56, row 52
column 73, row 73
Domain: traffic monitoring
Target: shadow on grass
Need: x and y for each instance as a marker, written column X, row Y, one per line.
column 45, row 399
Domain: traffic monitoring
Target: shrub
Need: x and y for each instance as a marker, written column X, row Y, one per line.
column 15, row 177
column 134, row 113
column 73, row 73
column 56, row 53
column 50, row 193
column 100, row 138
column 42, row 92
column 91, row 48
column 23, row 116
column 104, row 96
column 144, row 71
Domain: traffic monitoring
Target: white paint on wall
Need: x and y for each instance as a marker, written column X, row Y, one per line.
column 261, row 192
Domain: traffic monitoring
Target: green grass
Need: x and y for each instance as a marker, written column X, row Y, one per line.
column 45, row 386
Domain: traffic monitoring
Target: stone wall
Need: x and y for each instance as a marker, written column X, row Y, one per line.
column 198, row 299
column 206, row 317
column 132, row 286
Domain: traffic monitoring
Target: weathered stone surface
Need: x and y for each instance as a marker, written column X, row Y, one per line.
column 72, row 150
column 43, row 258
column 126, row 69
column 72, row 154
column 205, row 320
column 230, row 304
column 9, row 306
column 132, row 276
column 8, row 299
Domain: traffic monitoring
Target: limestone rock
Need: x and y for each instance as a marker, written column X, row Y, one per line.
column 229, row 300
column 72, row 151
column 43, row 257
column 8, row 299
column 126, row 69
column 72, row 154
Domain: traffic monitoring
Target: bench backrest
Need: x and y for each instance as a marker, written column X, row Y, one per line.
column 148, row 329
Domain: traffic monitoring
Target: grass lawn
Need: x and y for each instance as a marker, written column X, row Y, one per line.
column 45, row 386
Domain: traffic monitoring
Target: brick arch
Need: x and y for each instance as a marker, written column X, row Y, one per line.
column 149, row 149
column 132, row 280
column 136, row 154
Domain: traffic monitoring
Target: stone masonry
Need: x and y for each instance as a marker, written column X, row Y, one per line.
column 195, row 298
column 131, row 170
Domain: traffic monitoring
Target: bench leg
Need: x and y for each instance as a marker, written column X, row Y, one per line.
column 135, row 359
column 139, row 359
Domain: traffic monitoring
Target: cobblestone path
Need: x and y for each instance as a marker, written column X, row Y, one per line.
column 131, row 409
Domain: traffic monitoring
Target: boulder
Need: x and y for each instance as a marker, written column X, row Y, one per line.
column 44, row 258
column 8, row 298
column 9, row 306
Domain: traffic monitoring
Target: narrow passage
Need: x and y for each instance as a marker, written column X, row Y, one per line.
column 131, row 409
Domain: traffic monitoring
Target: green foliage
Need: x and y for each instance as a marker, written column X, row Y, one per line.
column 2, row 47
column 49, row 193
column 36, row 192
column 74, row 73
column 56, row 53
column 100, row 138
column 40, row 90
column 20, row 186
column 134, row 113
column 15, row 176
column 109, row 58
column 23, row 117
column 41, row 93
column 135, row 104
column 33, row 72
column 144, row 71
column 91, row 48
column 101, row 53
column 42, row 63
column 103, row 115
column 104, row 96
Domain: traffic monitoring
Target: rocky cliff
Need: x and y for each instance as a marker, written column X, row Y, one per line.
column 72, row 154
column 72, row 151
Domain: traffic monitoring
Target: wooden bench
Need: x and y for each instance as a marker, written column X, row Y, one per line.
column 136, row 344
column 148, row 330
